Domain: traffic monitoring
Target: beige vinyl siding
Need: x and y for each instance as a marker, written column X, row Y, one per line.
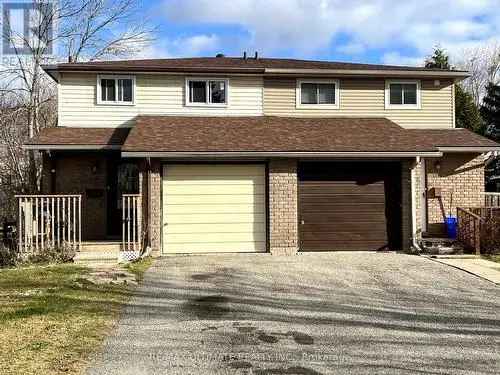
column 214, row 208
column 155, row 95
column 366, row 98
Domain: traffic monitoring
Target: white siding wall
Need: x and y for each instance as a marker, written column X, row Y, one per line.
column 155, row 95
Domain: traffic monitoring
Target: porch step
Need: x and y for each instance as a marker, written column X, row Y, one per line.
column 101, row 246
column 97, row 257
column 441, row 246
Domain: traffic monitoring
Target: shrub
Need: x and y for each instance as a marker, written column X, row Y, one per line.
column 9, row 256
column 56, row 254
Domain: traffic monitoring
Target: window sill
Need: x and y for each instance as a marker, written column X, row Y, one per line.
column 201, row 105
column 317, row 106
column 115, row 104
column 402, row 106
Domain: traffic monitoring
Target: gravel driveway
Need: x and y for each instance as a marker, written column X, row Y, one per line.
column 335, row 313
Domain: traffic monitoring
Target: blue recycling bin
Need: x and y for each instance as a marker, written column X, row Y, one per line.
column 451, row 227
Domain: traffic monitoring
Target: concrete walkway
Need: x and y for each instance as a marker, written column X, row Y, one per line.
column 477, row 266
column 312, row 314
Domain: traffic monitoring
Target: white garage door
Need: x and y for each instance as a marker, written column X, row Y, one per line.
column 214, row 208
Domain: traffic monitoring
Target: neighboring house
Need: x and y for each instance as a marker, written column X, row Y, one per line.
column 262, row 155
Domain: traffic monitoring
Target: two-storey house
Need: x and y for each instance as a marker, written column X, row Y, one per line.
column 260, row 155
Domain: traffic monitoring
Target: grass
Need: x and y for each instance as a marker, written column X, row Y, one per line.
column 139, row 267
column 494, row 258
column 52, row 319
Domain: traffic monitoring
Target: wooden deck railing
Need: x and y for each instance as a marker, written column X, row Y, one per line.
column 469, row 229
column 131, row 222
column 492, row 199
column 49, row 221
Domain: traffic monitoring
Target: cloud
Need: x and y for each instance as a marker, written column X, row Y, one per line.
column 186, row 46
column 395, row 58
column 350, row 27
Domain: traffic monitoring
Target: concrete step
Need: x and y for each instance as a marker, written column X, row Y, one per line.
column 96, row 257
column 101, row 246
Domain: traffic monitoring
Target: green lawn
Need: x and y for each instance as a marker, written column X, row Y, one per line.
column 494, row 258
column 51, row 318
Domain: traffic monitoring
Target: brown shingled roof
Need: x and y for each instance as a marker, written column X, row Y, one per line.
column 69, row 136
column 457, row 137
column 268, row 134
column 232, row 64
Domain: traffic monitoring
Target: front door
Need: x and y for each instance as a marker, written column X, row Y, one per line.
column 123, row 178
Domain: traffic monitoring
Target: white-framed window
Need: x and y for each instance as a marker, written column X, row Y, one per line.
column 402, row 94
column 115, row 89
column 318, row 93
column 207, row 92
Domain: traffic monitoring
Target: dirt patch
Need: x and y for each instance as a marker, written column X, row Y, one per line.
column 202, row 276
column 108, row 275
column 264, row 337
column 301, row 338
column 211, row 328
column 208, row 307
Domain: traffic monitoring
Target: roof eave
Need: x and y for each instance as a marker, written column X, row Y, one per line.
column 370, row 72
column 67, row 147
column 302, row 154
column 468, row 149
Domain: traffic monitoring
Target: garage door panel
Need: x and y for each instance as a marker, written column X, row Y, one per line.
column 338, row 188
column 200, row 238
column 335, row 199
column 214, row 189
column 346, row 208
column 221, row 247
column 248, row 227
column 338, row 217
column 214, row 199
column 213, row 170
column 214, row 208
column 325, row 227
column 246, row 208
column 344, row 236
column 344, row 245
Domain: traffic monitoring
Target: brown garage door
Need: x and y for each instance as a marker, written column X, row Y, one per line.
column 349, row 206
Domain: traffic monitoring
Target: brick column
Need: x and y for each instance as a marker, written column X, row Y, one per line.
column 155, row 206
column 406, row 205
column 283, row 216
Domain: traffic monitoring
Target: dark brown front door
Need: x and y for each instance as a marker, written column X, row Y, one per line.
column 349, row 206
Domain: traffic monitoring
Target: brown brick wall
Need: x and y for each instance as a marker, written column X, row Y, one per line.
column 460, row 176
column 283, row 226
column 155, row 208
column 74, row 175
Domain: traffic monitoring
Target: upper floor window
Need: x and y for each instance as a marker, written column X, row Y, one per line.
column 317, row 94
column 206, row 92
column 402, row 94
column 115, row 89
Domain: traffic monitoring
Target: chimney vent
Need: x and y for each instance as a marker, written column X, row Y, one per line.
column 70, row 59
column 256, row 55
column 245, row 55
column 219, row 55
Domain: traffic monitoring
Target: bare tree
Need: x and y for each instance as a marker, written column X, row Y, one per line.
column 73, row 30
column 483, row 63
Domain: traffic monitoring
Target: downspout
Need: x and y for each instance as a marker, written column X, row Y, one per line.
column 414, row 204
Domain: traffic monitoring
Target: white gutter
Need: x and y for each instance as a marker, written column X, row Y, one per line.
column 71, row 147
column 368, row 72
column 309, row 154
column 479, row 149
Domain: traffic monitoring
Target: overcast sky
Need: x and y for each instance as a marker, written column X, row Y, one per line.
column 378, row 31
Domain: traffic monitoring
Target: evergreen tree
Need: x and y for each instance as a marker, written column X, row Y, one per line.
column 490, row 109
column 466, row 113
column 438, row 60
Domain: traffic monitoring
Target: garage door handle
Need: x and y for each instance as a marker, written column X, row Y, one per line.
column 302, row 222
